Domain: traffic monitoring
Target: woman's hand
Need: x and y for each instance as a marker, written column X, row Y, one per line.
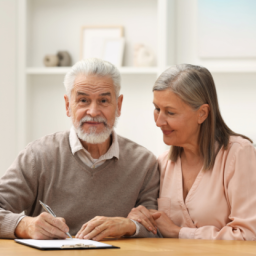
column 145, row 217
column 166, row 226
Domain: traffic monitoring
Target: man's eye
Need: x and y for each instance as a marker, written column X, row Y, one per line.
column 104, row 101
column 83, row 100
column 157, row 109
column 170, row 113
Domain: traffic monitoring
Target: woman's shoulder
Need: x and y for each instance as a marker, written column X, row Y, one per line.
column 239, row 140
column 239, row 148
column 165, row 163
column 164, row 157
column 239, row 143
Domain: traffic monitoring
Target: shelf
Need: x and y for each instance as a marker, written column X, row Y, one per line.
column 137, row 70
column 251, row 69
column 64, row 70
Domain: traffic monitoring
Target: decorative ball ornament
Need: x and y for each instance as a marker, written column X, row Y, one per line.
column 51, row 60
column 64, row 59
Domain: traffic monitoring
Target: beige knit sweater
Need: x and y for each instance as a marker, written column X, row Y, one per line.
column 46, row 170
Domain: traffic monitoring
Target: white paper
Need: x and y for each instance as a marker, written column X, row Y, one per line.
column 58, row 243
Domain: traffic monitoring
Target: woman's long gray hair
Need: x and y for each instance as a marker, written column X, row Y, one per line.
column 195, row 86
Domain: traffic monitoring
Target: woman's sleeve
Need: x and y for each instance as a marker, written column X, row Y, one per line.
column 240, row 189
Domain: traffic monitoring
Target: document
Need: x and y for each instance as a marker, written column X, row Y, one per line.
column 64, row 244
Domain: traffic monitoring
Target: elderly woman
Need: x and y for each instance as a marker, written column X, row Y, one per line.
column 208, row 178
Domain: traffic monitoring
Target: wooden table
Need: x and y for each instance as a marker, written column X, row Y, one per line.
column 143, row 246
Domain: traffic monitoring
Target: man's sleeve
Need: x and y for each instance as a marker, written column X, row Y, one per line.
column 17, row 192
column 150, row 189
column 148, row 196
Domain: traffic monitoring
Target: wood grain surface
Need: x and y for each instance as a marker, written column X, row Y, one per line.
column 143, row 246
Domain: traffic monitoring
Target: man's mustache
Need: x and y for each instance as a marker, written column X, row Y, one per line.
column 98, row 119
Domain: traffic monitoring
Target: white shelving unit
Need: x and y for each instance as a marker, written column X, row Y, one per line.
column 168, row 27
column 59, row 21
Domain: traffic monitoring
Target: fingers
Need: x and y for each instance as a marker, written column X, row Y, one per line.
column 156, row 215
column 43, row 226
column 85, row 225
column 42, row 234
column 101, row 227
column 62, row 219
column 143, row 216
column 80, row 231
column 91, row 228
column 51, row 226
column 146, row 212
column 102, row 235
column 148, row 225
column 98, row 231
column 53, row 231
column 55, row 222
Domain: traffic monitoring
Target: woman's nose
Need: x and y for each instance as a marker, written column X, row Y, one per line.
column 160, row 119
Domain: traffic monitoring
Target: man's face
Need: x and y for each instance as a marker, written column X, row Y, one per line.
column 93, row 105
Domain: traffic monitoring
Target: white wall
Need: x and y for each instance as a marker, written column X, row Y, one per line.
column 236, row 90
column 46, row 109
column 8, row 82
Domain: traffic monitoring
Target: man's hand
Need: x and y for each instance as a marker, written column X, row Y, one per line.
column 101, row 227
column 145, row 217
column 42, row 227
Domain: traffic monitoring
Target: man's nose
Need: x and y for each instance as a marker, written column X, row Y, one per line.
column 93, row 110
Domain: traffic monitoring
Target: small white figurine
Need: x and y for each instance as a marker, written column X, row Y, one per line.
column 143, row 56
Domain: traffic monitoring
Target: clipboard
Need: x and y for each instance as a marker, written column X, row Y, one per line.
column 66, row 244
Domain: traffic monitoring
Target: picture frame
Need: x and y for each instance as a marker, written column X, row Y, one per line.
column 104, row 42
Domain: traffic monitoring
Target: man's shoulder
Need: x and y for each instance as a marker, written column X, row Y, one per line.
column 50, row 142
column 129, row 147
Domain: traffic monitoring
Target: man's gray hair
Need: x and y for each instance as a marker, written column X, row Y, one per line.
column 92, row 66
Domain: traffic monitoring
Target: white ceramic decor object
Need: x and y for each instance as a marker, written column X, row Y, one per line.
column 143, row 56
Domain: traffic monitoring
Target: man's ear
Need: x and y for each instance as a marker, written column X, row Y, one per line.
column 203, row 113
column 67, row 105
column 119, row 104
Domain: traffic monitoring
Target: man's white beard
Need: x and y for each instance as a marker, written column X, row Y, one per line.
column 92, row 137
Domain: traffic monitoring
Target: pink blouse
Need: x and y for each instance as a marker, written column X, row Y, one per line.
column 221, row 203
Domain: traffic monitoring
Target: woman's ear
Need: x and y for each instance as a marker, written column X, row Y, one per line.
column 203, row 113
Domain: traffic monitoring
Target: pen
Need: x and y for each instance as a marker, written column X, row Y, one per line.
column 49, row 210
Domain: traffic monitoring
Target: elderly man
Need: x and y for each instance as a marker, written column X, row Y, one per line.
column 86, row 172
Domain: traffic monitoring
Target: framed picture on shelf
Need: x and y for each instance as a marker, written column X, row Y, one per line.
column 103, row 42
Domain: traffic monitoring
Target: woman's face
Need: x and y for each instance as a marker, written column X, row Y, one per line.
column 179, row 123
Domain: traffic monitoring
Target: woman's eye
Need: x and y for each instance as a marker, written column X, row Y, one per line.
column 157, row 109
column 170, row 113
